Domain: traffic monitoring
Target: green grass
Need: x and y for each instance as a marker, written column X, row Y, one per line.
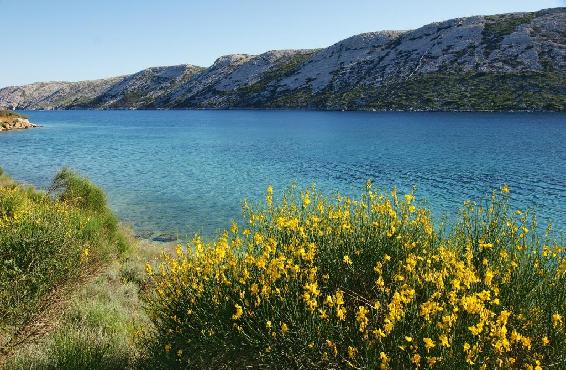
column 98, row 325
column 5, row 180
column 70, row 278
column 97, row 329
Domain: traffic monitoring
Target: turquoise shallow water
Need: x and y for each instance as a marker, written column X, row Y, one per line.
column 186, row 171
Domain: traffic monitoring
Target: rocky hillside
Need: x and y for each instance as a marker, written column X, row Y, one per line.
column 504, row 62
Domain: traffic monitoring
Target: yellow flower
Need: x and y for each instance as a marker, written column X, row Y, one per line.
column 339, row 297
column 526, row 342
column 409, row 339
column 429, row 343
column 332, row 346
column 239, row 312
column 306, row 200
column 378, row 333
column 269, row 196
column 347, row 260
column 432, row 361
column 556, row 319
column 545, row 341
column 384, row 360
column 284, row 328
column 328, row 301
column 341, row 313
column 444, row 341
column 352, row 351
column 505, row 189
column 416, row 359
column 361, row 318
column 488, row 277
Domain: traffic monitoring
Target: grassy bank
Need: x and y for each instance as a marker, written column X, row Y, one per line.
column 97, row 326
column 52, row 245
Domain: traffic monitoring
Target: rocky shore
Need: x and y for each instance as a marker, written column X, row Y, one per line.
column 14, row 121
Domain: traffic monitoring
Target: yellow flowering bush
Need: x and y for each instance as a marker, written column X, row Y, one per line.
column 313, row 282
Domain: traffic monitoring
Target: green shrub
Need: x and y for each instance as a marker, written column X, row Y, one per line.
column 78, row 191
column 365, row 283
column 46, row 242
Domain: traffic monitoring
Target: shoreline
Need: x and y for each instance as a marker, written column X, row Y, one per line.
column 291, row 109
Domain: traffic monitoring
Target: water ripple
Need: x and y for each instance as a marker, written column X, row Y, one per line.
column 185, row 171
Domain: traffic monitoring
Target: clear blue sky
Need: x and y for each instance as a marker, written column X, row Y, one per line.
column 45, row 40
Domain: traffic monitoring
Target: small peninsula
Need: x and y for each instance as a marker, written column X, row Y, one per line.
column 14, row 121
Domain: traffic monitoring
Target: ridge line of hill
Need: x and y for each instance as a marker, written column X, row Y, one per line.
column 514, row 61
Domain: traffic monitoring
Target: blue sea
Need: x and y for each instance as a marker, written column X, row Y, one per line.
column 180, row 172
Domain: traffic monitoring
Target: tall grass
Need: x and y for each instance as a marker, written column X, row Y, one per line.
column 96, row 330
column 313, row 282
column 47, row 240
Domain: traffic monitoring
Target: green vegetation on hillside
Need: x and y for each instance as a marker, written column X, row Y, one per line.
column 281, row 71
column 538, row 91
column 474, row 92
column 490, row 91
column 499, row 26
